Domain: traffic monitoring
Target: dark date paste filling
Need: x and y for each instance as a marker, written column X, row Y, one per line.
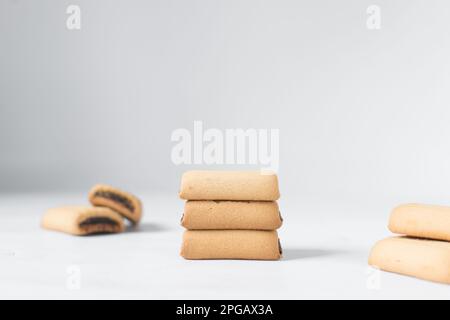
column 123, row 201
column 98, row 220
column 280, row 249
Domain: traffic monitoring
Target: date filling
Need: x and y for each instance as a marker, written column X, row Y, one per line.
column 280, row 249
column 122, row 200
column 95, row 225
column 98, row 220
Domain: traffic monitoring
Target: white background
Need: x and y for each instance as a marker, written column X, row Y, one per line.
column 363, row 118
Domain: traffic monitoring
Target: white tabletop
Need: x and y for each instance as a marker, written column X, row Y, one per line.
column 323, row 258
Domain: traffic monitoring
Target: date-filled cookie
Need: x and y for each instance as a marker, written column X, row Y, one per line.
column 420, row 258
column 123, row 202
column 422, row 221
column 231, row 215
column 79, row 220
column 231, row 244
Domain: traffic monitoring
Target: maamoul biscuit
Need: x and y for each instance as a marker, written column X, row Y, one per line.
column 123, row 202
column 424, row 259
column 423, row 221
column 79, row 220
column 229, row 185
column 252, row 215
column 231, row 244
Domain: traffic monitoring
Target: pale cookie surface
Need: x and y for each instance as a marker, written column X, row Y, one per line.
column 229, row 185
column 251, row 215
column 420, row 258
column 79, row 220
column 231, row 244
column 123, row 202
column 420, row 220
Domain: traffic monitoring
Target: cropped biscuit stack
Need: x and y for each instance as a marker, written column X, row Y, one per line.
column 230, row 215
column 424, row 249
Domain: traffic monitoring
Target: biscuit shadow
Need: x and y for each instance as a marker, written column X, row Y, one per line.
column 147, row 227
column 100, row 234
column 303, row 253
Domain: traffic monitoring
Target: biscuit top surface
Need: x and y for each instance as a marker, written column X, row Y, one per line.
column 80, row 213
column 229, row 185
column 415, row 213
column 419, row 206
column 416, row 242
column 226, row 174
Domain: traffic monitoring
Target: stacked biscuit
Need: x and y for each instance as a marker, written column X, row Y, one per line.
column 424, row 249
column 106, row 215
column 230, row 215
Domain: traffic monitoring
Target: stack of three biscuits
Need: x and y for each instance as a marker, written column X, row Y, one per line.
column 422, row 248
column 230, row 215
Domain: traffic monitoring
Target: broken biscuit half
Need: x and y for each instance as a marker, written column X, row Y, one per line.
column 80, row 220
column 118, row 200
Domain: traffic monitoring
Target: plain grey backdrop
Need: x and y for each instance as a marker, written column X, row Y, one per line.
column 363, row 114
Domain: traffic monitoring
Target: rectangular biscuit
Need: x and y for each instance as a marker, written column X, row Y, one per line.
column 420, row 220
column 252, row 215
column 78, row 220
column 231, row 244
column 424, row 259
column 229, row 185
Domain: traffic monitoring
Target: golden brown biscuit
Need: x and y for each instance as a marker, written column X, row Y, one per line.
column 424, row 259
column 229, row 185
column 251, row 215
column 123, row 202
column 231, row 244
column 420, row 220
column 78, row 220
